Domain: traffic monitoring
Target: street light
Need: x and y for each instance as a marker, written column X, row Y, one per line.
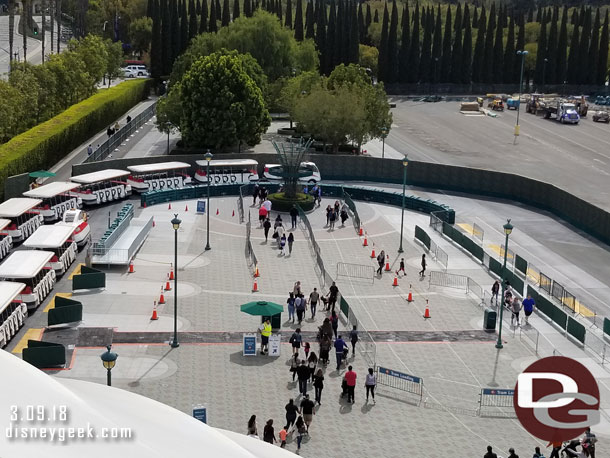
column 384, row 134
column 109, row 360
column 522, row 54
column 508, row 228
column 169, row 126
column 208, row 157
column 405, row 162
column 176, row 225
column 544, row 71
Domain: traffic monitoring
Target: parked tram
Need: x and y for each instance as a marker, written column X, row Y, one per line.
column 102, row 186
column 6, row 241
column 57, row 197
column 30, row 267
column 24, row 219
column 229, row 171
column 57, row 239
column 13, row 311
column 162, row 175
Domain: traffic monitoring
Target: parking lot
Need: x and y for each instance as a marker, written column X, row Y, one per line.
column 573, row 157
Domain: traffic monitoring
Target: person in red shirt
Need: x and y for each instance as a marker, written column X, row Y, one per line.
column 350, row 378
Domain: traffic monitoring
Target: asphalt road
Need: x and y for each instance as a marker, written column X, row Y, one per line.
column 573, row 157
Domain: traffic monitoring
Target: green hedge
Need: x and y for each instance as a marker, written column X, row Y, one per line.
column 49, row 142
column 280, row 203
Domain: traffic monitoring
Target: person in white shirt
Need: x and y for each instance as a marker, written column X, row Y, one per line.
column 267, row 204
column 370, row 384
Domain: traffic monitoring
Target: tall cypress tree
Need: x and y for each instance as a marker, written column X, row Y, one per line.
column 354, row 35
column 593, row 51
column 509, row 54
column 309, row 28
column 393, row 45
column 583, row 52
column 445, row 68
column 478, row 58
column 298, row 21
column 573, row 58
column 368, row 19
column 218, row 11
column 203, row 20
column 361, row 27
column 382, row 59
column 340, row 36
column 426, row 53
column 198, row 8
column 176, row 32
column 184, row 27
column 551, row 51
column 489, row 46
column 467, row 49
column 279, row 10
column 456, row 52
column 376, row 17
column 414, row 48
column 321, row 36
column 192, row 19
column 226, row 14
column 602, row 63
column 520, row 47
column 236, row 10
column 332, row 35
column 541, row 65
column 156, row 62
column 403, row 54
column 562, row 48
column 437, row 50
column 166, row 41
column 247, row 8
column 530, row 15
column 213, row 25
column 475, row 18
column 288, row 20
column 498, row 57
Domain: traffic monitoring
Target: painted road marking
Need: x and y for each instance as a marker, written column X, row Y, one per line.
column 499, row 250
column 76, row 271
column 51, row 304
column 30, row 334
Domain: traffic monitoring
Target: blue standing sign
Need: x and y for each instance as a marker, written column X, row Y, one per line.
column 201, row 206
column 249, row 344
column 200, row 413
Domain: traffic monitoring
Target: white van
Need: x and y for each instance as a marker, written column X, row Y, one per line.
column 58, row 240
column 24, row 219
column 13, row 311
column 30, row 267
column 308, row 172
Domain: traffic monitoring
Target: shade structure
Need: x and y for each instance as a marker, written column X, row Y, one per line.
column 262, row 308
column 42, row 174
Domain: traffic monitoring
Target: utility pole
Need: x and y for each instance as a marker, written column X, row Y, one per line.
column 25, row 14
column 44, row 13
column 11, row 29
column 58, row 15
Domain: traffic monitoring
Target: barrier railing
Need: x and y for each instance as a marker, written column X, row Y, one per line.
column 448, row 280
column 249, row 251
column 495, row 402
column 352, row 206
column 400, row 381
column 120, row 223
column 124, row 132
column 478, row 232
column 435, row 251
column 545, row 283
column 436, row 223
column 364, row 271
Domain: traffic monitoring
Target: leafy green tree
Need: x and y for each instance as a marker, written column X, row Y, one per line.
column 11, row 111
column 403, row 53
column 296, row 88
column 114, row 62
column 217, row 87
column 368, row 57
column 298, row 21
column 94, row 54
column 445, row 68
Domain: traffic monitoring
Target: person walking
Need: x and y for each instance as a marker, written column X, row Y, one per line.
column 353, row 337
column 282, row 435
column 495, row 291
column 280, row 233
column 344, row 215
column 303, row 377
column 380, row 261
column 293, row 216
column 312, row 364
column 89, row 150
column 332, row 219
column 252, row 429
column 490, row 453
column 332, row 297
column 128, row 119
column 265, row 330
column 296, row 288
column 401, row 268
column 528, row 307
column 117, row 127
column 266, row 227
column 294, row 364
column 350, row 378
column 325, row 344
column 370, row 383
column 318, row 385
column 337, row 207
column 307, row 407
column 422, row 272
column 556, row 448
column 269, row 432
column 512, row 453
column 266, row 203
column 314, row 297
column 290, row 242
column 263, row 215
column 255, row 193
column 109, row 131
column 329, row 209
column 301, row 430
column 306, row 348
column 537, row 453
column 588, row 442
column 283, row 245
column 291, row 308
column 515, row 308
column 339, row 347
column 334, row 321
column 296, row 340
column 291, row 414
column 299, row 305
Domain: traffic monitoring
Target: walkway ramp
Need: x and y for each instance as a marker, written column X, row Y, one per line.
column 125, row 246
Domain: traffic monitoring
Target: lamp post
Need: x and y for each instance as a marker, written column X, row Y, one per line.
column 522, row 54
column 544, row 71
column 208, row 157
column 176, row 225
column 109, row 360
column 405, row 163
column 384, row 134
column 508, row 228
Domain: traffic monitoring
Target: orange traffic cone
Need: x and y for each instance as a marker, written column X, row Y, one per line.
column 171, row 272
column 387, row 263
column 167, row 285
column 154, row 315
column 373, row 253
column 186, row 208
column 395, row 281
column 217, row 212
column 233, row 214
column 161, row 297
column 410, row 298
column 255, row 287
column 256, row 274
column 144, row 205
column 360, row 232
column 131, row 267
column 427, row 311
column 365, row 242
column 169, row 207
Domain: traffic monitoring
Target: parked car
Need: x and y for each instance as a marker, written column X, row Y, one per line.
column 601, row 116
column 139, row 70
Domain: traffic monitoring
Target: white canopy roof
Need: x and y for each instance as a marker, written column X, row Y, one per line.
column 158, row 167
column 24, row 263
column 17, row 206
column 4, row 222
column 9, row 290
column 102, row 175
column 52, row 236
column 51, row 189
column 158, row 431
column 229, row 162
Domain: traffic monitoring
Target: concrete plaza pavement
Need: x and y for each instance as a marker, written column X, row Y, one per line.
column 212, row 285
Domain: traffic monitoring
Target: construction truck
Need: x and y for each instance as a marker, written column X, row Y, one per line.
column 561, row 110
column 581, row 105
column 533, row 103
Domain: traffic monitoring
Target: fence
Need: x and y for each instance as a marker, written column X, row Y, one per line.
column 478, row 232
column 545, row 283
column 117, row 228
column 448, row 280
column 250, row 256
column 437, row 252
column 356, row 271
column 352, row 206
column 436, row 223
column 401, row 381
column 119, row 137
column 495, row 402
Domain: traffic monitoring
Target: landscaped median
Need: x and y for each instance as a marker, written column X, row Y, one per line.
column 47, row 143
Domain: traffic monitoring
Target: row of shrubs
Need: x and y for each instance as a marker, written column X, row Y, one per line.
column 45, row 144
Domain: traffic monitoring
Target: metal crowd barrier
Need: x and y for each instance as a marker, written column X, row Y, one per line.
column 250, row 256
column 445, row 279
column 356, row 271
column 400, row 381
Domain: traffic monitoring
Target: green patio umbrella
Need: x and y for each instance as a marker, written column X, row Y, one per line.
column 262, row 308
column 42, row 174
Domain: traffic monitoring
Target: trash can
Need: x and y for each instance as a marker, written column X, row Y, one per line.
column 276, row 320
column 489, row 321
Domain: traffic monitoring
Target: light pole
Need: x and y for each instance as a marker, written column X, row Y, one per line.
column 405, row 162
column 508, row 228
column 169, row 126
column 176, row 225
column 109, row 360
column 208, row 157
column 522, row 54
column 544, row 71
column 384, row 134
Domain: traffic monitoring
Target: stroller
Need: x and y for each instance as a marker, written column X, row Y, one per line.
column 570, row 450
